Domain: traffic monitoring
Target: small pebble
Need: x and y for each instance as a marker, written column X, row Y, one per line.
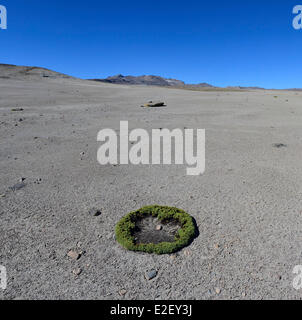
column 77, row 271
column 158, row 228
column 2, row 195
column 122, row 292
column 52, row 255
column 95, row 212
column 217, row 290
column 151, row 275
column 18, row 186
column 17, row 109
column 38, row 181
column 279, row 145
column 187, row 252
column 73, row 255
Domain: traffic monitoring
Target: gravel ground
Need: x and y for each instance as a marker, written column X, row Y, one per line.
column 247, row 204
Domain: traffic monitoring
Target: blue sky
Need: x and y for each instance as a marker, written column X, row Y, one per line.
column 248, row 43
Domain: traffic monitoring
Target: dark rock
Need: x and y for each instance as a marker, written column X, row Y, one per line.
column 17, row 109
column 95, row 212
column 18, row 186
column 154, row 104
column 279, row 145
column 151, row 275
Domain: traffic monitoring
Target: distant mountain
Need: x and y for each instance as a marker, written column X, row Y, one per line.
column 200, row 85
column 10, row 71
column 142, row 80
column 245, row 88
column 150, row 81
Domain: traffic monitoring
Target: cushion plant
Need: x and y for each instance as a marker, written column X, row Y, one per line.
column 126, row 226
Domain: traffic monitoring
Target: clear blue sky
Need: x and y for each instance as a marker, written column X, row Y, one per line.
column 248, row 43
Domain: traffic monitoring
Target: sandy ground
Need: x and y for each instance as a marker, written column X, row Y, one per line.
column 247, row 205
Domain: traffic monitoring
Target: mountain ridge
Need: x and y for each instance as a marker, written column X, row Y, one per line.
column 11, row 71
column 150, row 80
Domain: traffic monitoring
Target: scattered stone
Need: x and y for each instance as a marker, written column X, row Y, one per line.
column 151, row 275
column 159, row 227
column 279, row 145
column 216, row 246
column 77, row 271
column 17, row 109
column 2, row 195
column 95, row 212
column 52, row 255
column 187, row 252
column 243, row 294
column 20, row 120
column 122, row 292
column 217, row 290
column 18, row 186
column 154, row 104
column 73, row 255
column 22, row 179
column 38, row 181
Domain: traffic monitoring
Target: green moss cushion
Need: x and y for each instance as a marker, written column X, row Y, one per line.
column 125, row 229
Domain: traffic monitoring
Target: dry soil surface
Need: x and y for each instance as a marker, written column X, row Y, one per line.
column 247, row 204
